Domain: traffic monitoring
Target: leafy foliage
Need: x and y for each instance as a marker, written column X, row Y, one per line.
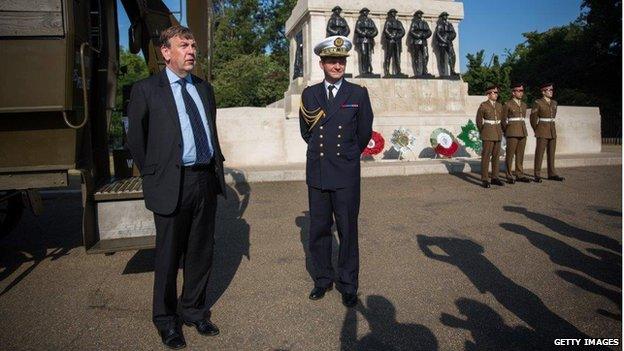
column 133, row 68
column 583, row 59
column 250, row 80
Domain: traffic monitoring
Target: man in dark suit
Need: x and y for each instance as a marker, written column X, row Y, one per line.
column 173, row 139
column 336, row 121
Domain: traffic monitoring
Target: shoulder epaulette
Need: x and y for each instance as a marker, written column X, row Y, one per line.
column 311, row 117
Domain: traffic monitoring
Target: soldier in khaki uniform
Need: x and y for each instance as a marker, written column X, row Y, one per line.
column 488, row 118
column 514, row 126
column 543, row 122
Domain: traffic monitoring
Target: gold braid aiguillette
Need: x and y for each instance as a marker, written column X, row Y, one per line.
column 311, row 117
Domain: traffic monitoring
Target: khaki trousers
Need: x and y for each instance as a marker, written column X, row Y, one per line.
column 549, row 145
column 515, row 147
column 491, row 151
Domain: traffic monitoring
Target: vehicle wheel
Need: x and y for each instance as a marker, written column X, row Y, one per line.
column 10, row 213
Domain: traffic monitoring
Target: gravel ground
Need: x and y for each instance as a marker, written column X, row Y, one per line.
column 445, row 265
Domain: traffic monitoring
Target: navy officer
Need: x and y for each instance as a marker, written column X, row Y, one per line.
column 336, row 122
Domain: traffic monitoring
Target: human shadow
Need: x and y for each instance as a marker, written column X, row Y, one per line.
column 567, row 256
column 608, row 212
column 231, row 241
column 486, row 277
column 36, row 239
column 488, row 329
column 570, row 231
column 588, row 285
column 456, row 168
column 303, row 222
column 386, row 333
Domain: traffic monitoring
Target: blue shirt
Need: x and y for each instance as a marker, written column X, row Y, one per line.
column 188, row 140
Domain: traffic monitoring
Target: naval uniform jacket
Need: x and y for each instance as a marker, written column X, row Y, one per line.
column 543, row 109
column 338, row 138
column 487, row 111
column 514, row 129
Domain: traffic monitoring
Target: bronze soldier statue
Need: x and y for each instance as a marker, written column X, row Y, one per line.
column 418, row 34
column 393, row 33
column 365, row 33
column 445, row 34
column 336, row 24
column 298, row 66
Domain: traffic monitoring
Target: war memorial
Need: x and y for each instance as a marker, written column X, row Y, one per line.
column 443, row 263
column 418, row 102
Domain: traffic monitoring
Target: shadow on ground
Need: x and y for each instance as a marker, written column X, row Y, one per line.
column 386, row 333
column 231, row 241
column 36, row 239
column 468, row 257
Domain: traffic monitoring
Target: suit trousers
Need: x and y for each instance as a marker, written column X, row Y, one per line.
column 343, row 205
column 548, row 145
column 515, row 149
column 491, row 150
column 186, row 237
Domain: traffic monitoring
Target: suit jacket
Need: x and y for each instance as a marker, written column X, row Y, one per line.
column 337, row 140
column 487, row 111
column 512, row 110
column 155, row 139
column 542, row 109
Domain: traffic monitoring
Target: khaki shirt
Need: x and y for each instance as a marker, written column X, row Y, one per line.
column 512, row 109
column 543, row 109
column 492, row 112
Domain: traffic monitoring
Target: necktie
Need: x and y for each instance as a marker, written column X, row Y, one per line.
column 203, row 149
column 330, row 98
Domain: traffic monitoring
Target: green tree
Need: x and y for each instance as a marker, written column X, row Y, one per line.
column 583, row 59
column 480, row 75
column 250, row 80
column 133, row 68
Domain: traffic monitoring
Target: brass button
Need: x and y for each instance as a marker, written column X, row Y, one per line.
column 321, row 127
column 321, row 136
column 338, row 145
column 321, row 154
column 338, row 154
column 321, row 145
column 339, row 135
column 339, row 127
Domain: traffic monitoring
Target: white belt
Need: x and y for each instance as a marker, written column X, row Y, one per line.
column 546, row 119
column 489, row 121
column 515, row 119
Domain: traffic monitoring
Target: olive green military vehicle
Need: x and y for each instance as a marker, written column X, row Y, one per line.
column 59, row 63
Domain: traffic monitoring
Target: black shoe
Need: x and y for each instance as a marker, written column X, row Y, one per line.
column 510, row 180
column 557, row 178
column 538, row 179
column 497, row 181
column 204, row 327
column 349, row 300
column 172, row 338
column 524, row 180
column 486, row 184
column 318, row 292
